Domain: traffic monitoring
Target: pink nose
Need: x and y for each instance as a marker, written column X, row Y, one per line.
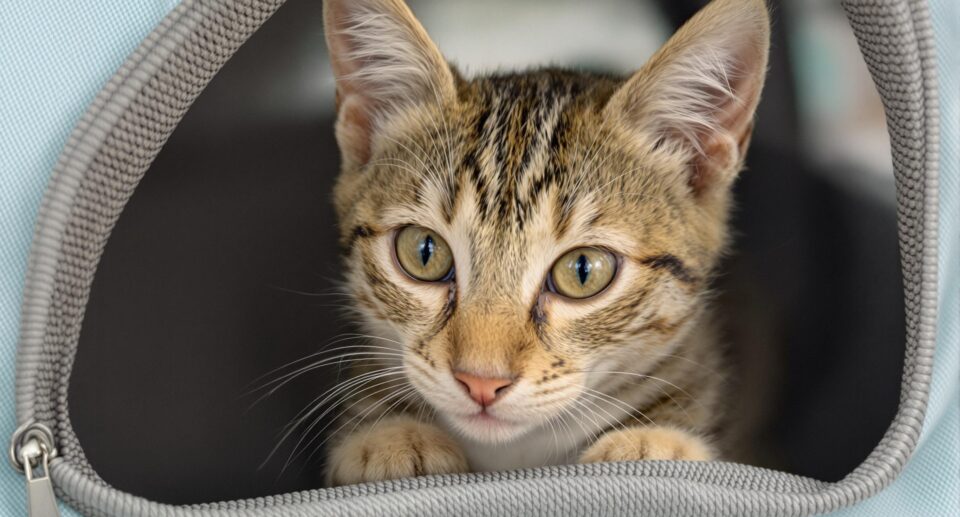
column 482, row 389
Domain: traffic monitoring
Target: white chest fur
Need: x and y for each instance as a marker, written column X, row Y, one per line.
column 537, row 448
column 556, row 443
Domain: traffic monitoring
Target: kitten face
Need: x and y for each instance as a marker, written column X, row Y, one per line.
column 522, row 171
column 506, row 176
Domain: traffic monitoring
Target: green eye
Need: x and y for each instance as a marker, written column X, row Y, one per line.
column 423, row 254
column 583, row 272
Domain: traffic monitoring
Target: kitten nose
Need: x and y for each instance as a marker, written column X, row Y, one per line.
column 484, row 390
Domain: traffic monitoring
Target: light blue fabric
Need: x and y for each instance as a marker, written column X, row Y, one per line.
column 55, row 56
column 930, row 483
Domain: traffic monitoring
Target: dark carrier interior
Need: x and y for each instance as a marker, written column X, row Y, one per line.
column 224, row 266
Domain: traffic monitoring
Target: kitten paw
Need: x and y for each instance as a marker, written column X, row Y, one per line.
column 395, row 448
column 647, row 443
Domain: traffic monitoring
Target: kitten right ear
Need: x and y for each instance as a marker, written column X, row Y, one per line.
column 698, row 93
column 384, row 62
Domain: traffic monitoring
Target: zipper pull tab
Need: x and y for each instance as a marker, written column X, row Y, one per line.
column 30, row 450
column 40, row 499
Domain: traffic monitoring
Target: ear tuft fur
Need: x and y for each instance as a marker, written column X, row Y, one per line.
column 699, row 92
column 384, row 62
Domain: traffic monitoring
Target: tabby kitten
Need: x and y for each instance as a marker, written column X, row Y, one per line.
column 532, row 251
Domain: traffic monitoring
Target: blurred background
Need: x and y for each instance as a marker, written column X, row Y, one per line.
column 220, row 267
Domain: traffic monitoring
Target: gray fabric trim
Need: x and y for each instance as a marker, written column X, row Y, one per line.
column 125, row 128
column 55, row 208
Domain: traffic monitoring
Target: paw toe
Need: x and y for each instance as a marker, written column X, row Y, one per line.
column 394, row 450
column 652, row 443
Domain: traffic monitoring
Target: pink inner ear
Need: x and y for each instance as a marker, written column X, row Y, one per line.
column 736, row 117
column 721, row 155
column 354, row 128
column 723, row 151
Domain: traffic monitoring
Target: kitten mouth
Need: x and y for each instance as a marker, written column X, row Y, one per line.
column 484, row 421
column 483, row 416
column 487, row 427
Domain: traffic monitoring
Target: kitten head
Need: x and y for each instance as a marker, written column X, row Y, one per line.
column 525, row 237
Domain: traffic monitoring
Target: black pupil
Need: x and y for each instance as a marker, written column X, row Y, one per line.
column 583, row 269
column 427, row 247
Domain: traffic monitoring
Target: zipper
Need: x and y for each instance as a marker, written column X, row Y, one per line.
column 31, row 448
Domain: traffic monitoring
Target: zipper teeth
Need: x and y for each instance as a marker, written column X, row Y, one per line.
column 53, row 217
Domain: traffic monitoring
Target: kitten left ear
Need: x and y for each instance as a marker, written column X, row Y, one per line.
column 699, row 92
column 384, row 62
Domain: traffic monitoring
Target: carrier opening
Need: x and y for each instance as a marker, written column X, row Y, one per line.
column 225, row 265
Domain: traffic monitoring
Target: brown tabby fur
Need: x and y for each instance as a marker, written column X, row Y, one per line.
column 513, row 170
